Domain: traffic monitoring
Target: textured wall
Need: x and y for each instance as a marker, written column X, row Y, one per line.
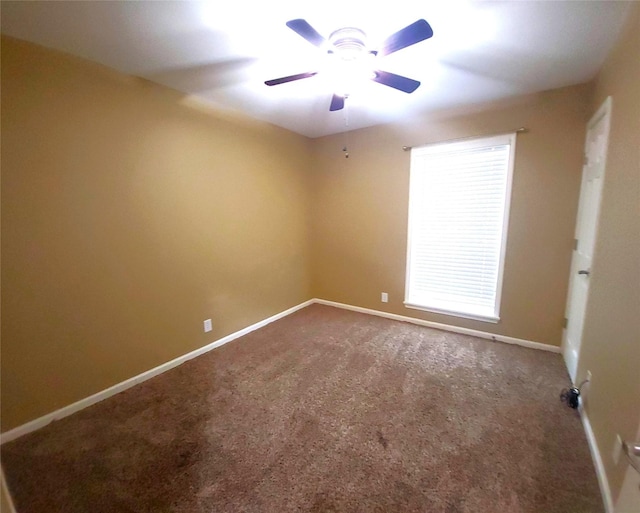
column 611, row 340
column 359, row 219
column 128, row 218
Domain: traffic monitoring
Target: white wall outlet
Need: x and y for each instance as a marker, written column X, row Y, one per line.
column 207, row 326
column 617, row 449
column 384, row 297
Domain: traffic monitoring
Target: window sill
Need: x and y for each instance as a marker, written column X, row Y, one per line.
column 482, row 318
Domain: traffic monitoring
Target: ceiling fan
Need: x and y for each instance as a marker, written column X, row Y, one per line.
column 348, row 46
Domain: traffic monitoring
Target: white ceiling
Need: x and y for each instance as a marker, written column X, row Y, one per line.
column 223, row 52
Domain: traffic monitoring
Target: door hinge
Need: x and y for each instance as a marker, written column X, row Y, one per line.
column 575, row 244
column 565, row 322
column 586, row 159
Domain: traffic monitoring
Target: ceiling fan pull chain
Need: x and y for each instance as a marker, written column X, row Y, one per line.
column 346, row 111
column 345, row 150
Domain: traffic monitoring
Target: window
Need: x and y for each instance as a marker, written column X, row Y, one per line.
column 458, row 215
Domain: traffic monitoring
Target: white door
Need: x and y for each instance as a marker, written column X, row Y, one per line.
column 629, row 498
column 586, row 228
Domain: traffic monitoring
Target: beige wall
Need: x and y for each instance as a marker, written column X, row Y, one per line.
column 359, row 218
column 127, row 219
column 611, row 340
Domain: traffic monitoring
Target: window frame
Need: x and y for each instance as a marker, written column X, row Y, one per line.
column 447, row 146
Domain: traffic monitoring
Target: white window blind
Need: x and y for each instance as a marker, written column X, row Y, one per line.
column 458, row 216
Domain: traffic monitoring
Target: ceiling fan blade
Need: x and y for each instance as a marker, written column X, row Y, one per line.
column 302, row 28
column 410, row 35
column 290, row 78
column 407, row 85
column 337, row 103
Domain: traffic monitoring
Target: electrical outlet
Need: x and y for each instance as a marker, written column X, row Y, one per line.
column 207, row 325
column 617, row 449
column 384, row 297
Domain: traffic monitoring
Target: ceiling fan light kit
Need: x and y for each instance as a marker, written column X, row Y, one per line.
column 348, row 43
column 353, row 60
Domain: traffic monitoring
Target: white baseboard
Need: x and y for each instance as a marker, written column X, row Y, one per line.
column 124, row 385
column 444, row 327
column 5, row 492
column 597, row 462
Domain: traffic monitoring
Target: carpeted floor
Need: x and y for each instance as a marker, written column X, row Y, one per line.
column 323, row 411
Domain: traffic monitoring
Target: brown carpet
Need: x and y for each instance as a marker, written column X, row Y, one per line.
column 324, row 411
